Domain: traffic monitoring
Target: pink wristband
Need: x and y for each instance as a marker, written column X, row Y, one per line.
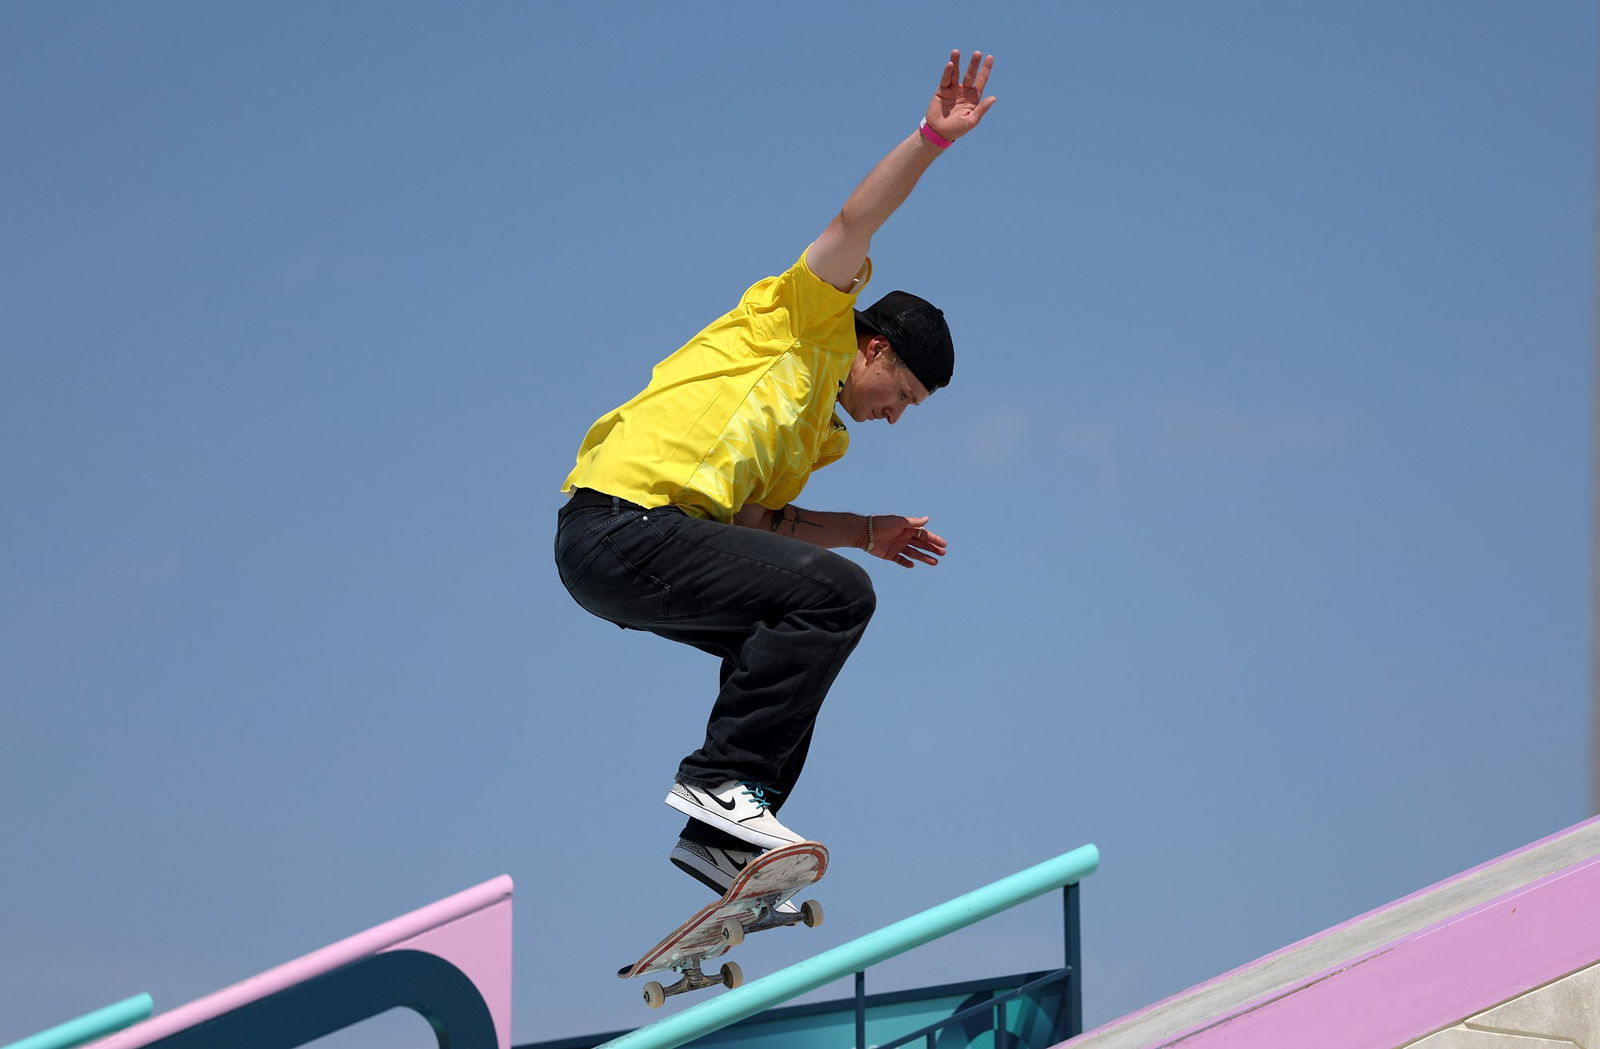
column 933, row 136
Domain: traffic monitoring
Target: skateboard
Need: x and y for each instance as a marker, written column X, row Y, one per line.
column 750, row 905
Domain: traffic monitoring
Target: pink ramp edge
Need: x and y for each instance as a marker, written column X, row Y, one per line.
column 471, row 930
column 1431, row 979
column 1265, row 959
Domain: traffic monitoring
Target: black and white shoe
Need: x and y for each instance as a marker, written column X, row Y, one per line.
column 716, row 868
column 740, row 809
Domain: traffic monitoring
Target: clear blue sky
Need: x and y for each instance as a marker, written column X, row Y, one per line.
column 1265, row 471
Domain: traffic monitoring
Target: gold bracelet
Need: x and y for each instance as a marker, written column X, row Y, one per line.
column 868, row 547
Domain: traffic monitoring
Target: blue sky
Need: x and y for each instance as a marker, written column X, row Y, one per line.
column 1265, row 471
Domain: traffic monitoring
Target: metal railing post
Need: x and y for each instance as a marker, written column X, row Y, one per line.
column 1074, row 949
column 861, row 1010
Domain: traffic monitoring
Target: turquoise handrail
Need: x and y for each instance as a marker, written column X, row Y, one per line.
column 89, row 1026
column 801, row 977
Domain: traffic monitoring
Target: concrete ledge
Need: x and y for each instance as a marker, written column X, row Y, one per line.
column 1516, row 903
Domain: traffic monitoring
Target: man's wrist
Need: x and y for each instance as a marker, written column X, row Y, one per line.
column 932, row 136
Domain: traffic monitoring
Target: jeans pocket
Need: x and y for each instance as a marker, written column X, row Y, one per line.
column 623, row 592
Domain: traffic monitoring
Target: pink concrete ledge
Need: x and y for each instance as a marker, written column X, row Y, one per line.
column 1432, row 979
column 1402, row 971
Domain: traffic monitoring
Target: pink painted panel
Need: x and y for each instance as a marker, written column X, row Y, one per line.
column 1233, row 973
column 478, row 944
column 1431, row 979
column 415, row 928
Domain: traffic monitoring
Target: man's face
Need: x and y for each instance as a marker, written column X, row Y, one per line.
column 879, row 386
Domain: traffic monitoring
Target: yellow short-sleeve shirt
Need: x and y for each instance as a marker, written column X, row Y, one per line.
column 743, row 413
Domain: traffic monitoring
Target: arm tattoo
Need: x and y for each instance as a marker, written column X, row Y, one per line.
column 794, row 515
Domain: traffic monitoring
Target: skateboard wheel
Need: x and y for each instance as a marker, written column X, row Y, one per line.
column 811, row 913
column 732, row 975
column 732, row 932
column 655, row 996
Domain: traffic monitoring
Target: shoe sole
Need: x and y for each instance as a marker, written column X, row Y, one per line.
column 785, row 908
column 738, row 830
column 700, row 876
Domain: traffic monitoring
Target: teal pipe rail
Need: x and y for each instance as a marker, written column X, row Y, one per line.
column 858, row 954
column 90, row 1026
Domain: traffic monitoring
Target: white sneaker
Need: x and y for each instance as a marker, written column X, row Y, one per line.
column 716, row 868
column 741, row 809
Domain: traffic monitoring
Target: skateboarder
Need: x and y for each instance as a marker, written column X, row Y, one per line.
column 681, row 518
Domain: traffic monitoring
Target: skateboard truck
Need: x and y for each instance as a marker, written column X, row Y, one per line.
column 693, row 979
column 766, row 917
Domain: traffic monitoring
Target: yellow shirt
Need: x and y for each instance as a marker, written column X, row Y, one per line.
column 743, row 413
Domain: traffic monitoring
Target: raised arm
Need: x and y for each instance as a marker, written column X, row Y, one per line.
column 957, row 106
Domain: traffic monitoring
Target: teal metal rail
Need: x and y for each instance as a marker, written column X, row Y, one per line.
column 90, row 1026
column 858, row 954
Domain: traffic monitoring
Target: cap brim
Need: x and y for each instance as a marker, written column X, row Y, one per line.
column 864, row 321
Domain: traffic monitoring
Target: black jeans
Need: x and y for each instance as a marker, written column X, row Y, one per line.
column 781, row 614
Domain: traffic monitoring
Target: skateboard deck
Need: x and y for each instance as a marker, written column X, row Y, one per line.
column 750, row 905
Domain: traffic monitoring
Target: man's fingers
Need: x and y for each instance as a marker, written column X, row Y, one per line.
column 972, row 69
column 983, row 73
column 913, row 542
column 907, row 557
column 951, row 69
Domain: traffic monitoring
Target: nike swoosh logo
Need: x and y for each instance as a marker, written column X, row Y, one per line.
column 695, row 792
column 735, row 864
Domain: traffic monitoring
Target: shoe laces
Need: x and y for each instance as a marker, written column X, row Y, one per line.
column 758, row 793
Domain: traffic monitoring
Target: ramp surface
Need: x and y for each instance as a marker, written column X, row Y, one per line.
column 1421, row 966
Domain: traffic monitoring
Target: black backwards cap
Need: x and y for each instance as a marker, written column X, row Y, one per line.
column 917, row 332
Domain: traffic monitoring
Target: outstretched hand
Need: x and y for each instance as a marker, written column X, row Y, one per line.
column 905, row 540
column 959, row 104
